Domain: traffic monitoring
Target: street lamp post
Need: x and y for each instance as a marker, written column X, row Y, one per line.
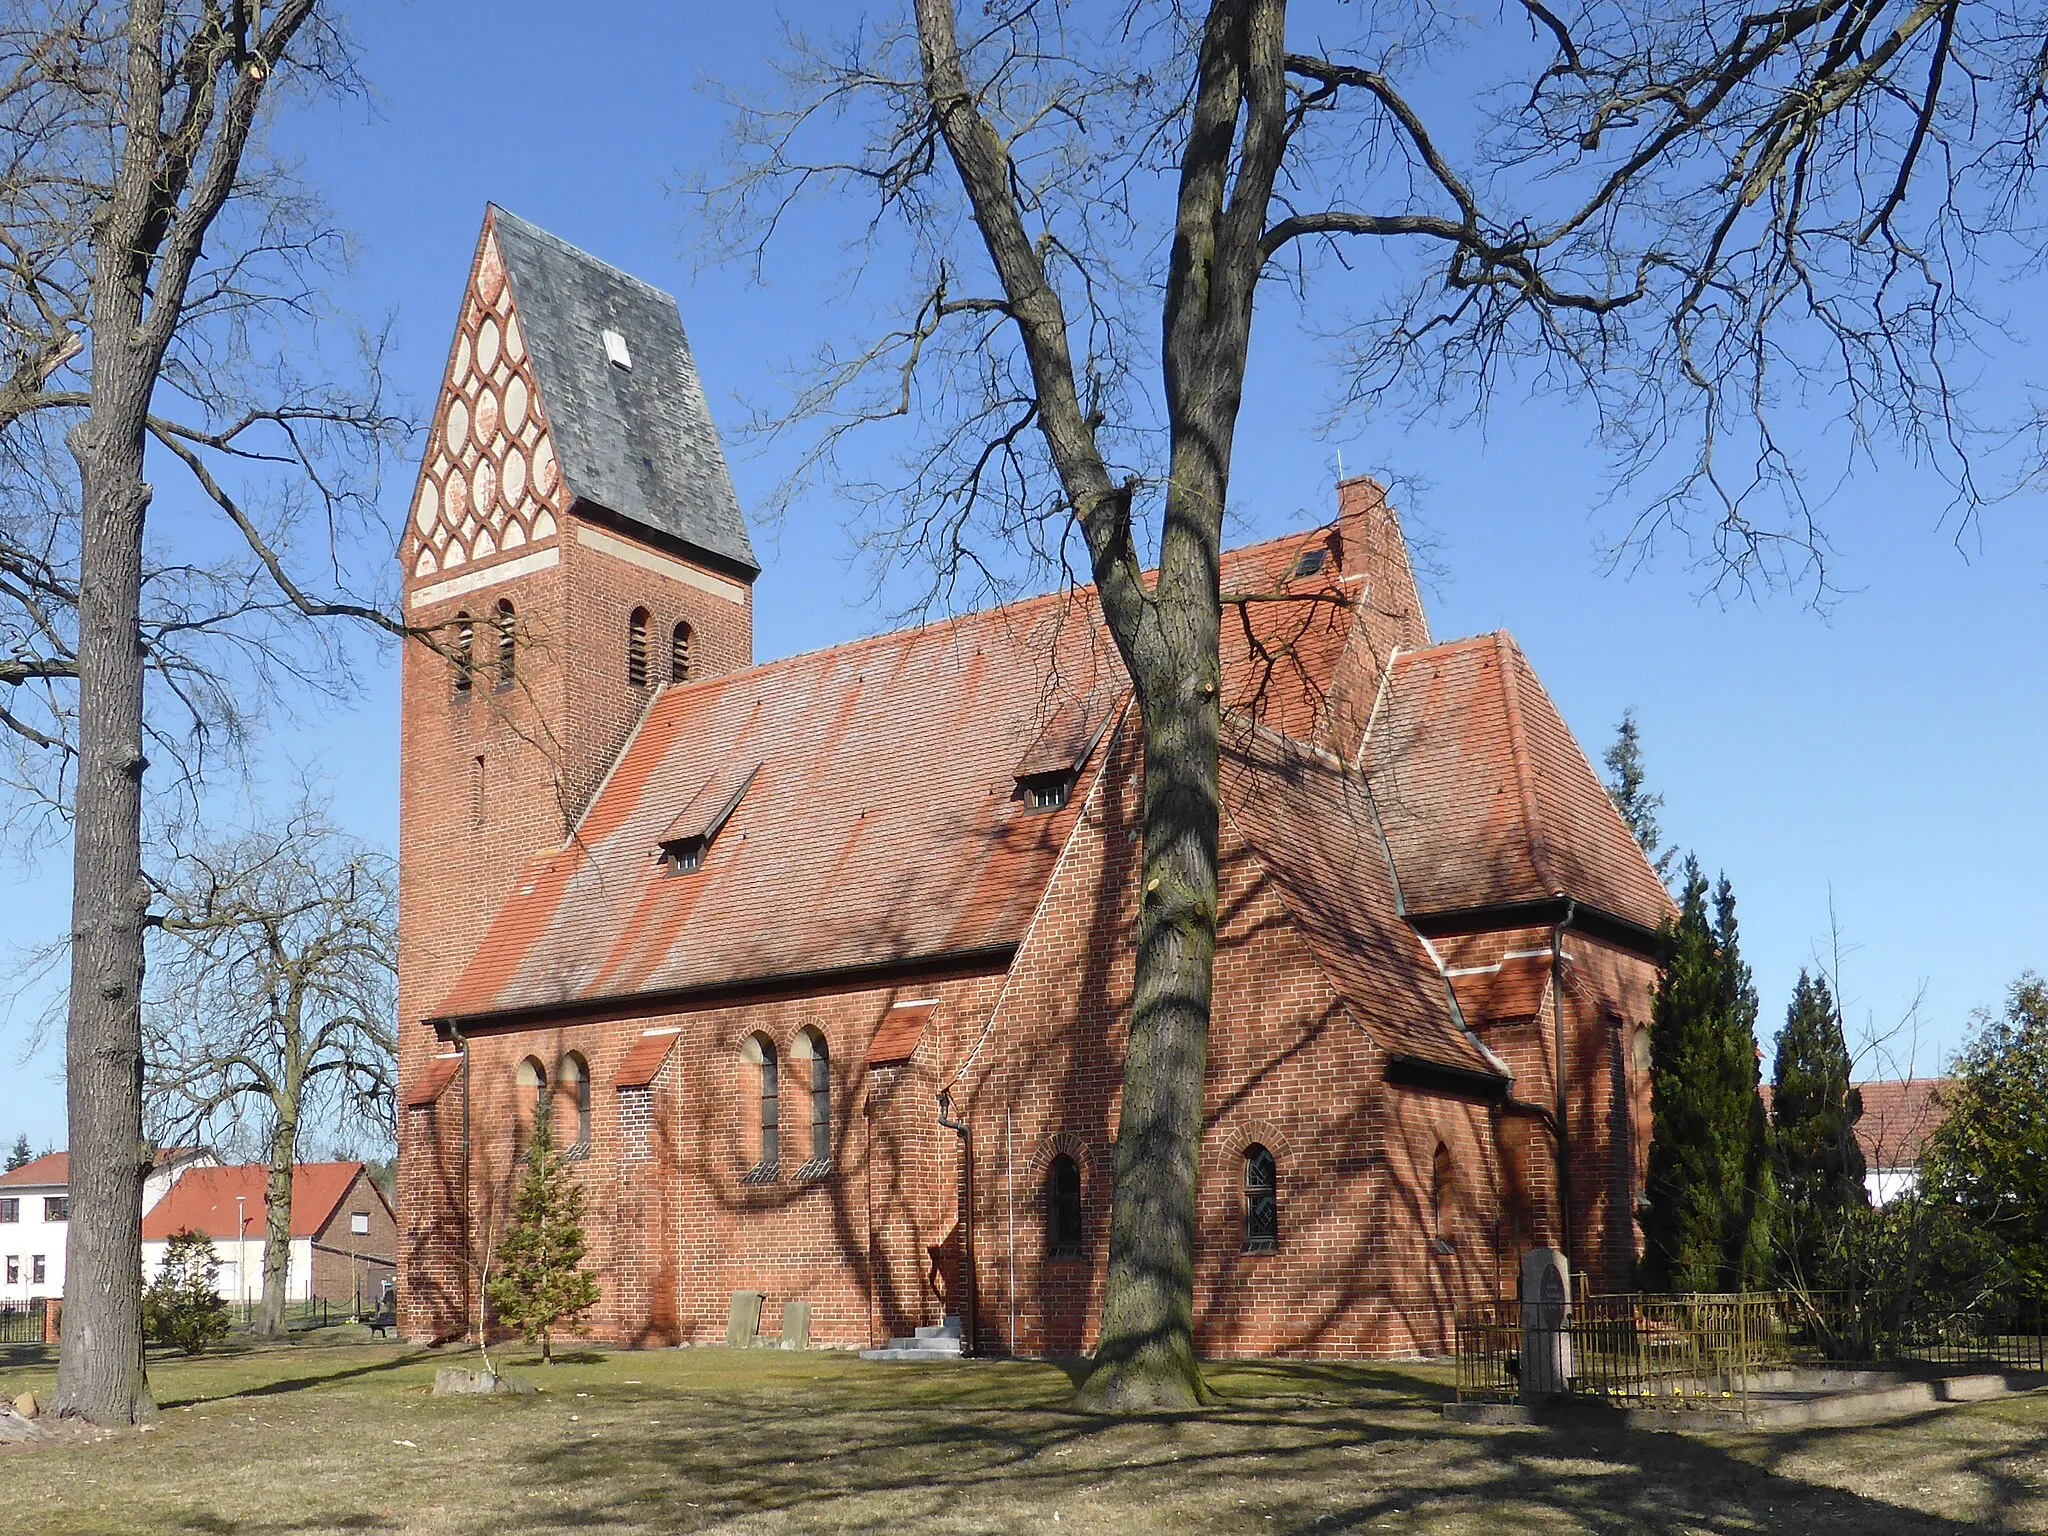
column 242, row 1254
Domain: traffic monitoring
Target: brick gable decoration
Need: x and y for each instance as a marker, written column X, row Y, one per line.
column 747, row 922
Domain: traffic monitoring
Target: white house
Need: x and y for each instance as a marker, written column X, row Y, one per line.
column 35, row 1215
column 344, row 1238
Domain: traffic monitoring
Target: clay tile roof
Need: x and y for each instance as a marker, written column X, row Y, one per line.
column 1513, row 987
column 897, row 1037
column 51, row 1170
column 434, row 1081
column 1309, row 823
column 884, row 823
column 643, row 1062
column 1073, row 731
column 1899, row 1117
column 711, row 807
column 203, row 1200
column 1486, row 797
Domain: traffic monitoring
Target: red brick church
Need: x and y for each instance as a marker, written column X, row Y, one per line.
column 751, row 928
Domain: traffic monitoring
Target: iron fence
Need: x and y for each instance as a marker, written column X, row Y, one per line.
column 21, row 1322
column 298, row 1315
column 1643, row 1349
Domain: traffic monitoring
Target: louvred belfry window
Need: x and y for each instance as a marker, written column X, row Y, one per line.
column 636, row 649
column 465, row 655
column 679, row 654
column 506, row 662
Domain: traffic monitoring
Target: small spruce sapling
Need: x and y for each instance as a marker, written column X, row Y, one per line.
column 182, row 1306
column 541, row 1285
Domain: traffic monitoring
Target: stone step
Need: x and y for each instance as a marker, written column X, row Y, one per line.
column 949, row 1329
column 928, row 1350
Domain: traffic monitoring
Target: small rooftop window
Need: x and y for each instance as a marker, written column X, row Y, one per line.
column 1046, row 791
column 615, row 352
column 1311, row 561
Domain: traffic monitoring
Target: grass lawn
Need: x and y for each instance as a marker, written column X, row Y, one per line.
column 335, row 1437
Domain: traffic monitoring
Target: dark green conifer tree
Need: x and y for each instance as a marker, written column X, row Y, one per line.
column 1638, row 807
column 1706, row 1223
column 1813, row 1117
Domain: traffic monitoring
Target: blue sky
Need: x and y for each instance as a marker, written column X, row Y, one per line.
column 1884, row 757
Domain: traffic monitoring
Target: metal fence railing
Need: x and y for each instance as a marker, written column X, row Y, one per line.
column 21, row 1322
column 298, row 1315
column 1643, row 1349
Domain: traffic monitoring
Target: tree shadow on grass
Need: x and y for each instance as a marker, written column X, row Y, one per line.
column 1268, row 1464
column 302, row 1383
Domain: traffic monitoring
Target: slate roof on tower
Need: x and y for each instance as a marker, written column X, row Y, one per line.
column 636, row 440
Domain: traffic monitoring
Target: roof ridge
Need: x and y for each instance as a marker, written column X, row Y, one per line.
column 1505, row 650
column 1080, row 593
column 527, row 226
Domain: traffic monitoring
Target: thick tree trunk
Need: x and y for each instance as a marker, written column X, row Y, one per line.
column 1146, row 1356
column 277, row 1226
column 100, row 1374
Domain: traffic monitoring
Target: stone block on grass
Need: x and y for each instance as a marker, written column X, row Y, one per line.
column 744, row 1321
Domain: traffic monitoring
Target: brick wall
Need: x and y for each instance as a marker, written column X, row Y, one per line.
column 342, row 1258
column 494, row 775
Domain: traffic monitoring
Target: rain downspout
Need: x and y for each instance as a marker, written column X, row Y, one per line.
column 468, row 1226
column 966, row 1134
column 1564, row 1141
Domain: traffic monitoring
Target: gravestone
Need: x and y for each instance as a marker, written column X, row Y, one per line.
column 1546, row 1325
column 744, row 1321
column 796, row 1325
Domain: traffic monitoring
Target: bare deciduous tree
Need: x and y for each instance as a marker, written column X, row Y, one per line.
column 160, row 282
column 273, row 1003
column 1690, row 214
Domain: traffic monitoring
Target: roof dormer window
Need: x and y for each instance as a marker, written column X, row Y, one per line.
column 1311, row 561
column 615, row 352
column 1046, row 792
column 689, row 837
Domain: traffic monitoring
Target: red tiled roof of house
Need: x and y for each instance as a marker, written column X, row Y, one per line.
column 899, row 1034
column 1486, row 798
column 1306, row 819
column 203, row 1200
column 434, row 1081
column 1899, row 1117
column 643, row 1062
column 884, row 823
column 53, row 1169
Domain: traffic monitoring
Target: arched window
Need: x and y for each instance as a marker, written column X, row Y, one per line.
column 679, row 654
column 1261, row 1200
column 531, row 1100
column 811, row 1044
column 1441, row 1197
column 574, row 1128
column 636, row 649
column 505, row 642
column 760, row 1051
column 1063, row 1208
column 465, row 655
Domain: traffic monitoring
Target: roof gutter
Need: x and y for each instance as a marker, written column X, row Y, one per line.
column 1563, row 1125
column 724, row 993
